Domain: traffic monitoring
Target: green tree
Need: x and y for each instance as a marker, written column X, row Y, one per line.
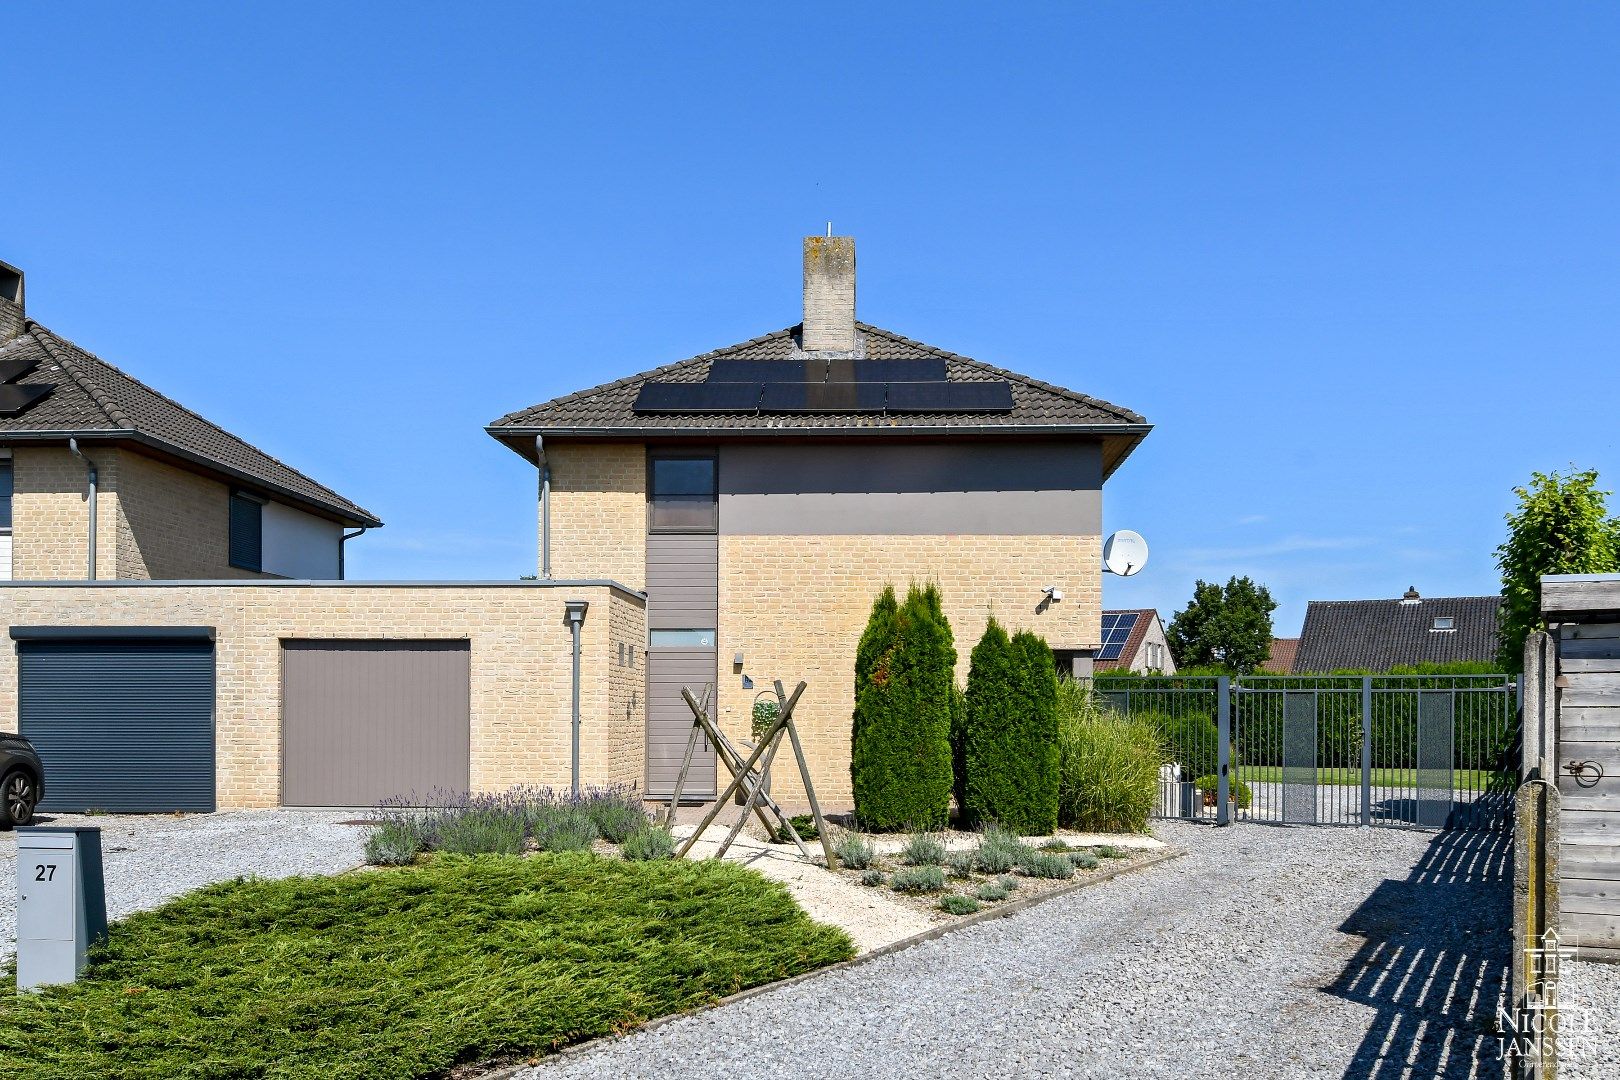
column 1228, row 627
column 900, row 757
column 1562, row 526
column 1010, row 738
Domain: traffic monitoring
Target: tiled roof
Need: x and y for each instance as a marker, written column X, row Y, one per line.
column 1133, row 642
column 1037, row 406
column 1376, row 635
column 94, row 399
column 1281, row 660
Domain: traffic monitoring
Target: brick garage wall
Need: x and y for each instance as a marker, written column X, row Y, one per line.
column 520, row 655
column 50, row 515
column 599, row 511
column 795, row 606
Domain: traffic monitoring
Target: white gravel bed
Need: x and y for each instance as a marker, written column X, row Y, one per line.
column 1267, row 951
column 149, row 859
column 1591, row 1046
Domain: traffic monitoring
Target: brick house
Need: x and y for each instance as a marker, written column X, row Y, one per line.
column 762, row 494
column 175, row 496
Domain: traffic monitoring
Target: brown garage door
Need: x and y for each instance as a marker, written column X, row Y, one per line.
column 363, row 721
column 669, row 721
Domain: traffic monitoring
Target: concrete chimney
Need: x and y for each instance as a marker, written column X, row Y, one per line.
column 11, row 302
column 829, row 294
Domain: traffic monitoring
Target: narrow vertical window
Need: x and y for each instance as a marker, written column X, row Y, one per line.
column 246, row 532
column 6, row 488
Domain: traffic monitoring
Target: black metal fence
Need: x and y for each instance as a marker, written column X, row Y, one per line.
column 1420, row 751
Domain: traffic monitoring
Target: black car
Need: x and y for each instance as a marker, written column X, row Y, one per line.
column 22, row 781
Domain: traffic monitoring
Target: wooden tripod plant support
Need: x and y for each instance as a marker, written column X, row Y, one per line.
column 748, row 776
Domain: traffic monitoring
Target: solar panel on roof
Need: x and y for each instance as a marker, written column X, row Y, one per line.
column 16, row 400
column 888, row 370
column 828, row 397
column 703, row 397
column 949, row 397
column 1116, row 630
column 732, row 370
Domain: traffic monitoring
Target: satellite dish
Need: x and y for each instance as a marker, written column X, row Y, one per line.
column 1125, row 553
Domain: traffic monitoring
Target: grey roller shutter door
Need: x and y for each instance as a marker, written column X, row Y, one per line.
column 121, row 726
column 364, row 721
column 669, row 721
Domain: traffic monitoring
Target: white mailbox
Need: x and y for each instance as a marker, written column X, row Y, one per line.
column 61, row 904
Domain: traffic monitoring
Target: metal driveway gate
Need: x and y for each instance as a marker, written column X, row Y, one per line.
column 1421, row 751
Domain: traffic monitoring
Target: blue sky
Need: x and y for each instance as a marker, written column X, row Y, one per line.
column 1360, row 264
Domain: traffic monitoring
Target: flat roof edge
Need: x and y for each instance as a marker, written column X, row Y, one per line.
column 315, row 583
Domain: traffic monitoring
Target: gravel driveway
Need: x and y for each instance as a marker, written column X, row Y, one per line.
column 152, row 858
column 1267, row 951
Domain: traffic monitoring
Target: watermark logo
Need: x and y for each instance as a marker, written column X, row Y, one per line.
column 1548, row 1023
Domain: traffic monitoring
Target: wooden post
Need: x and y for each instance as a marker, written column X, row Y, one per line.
column 804, row 774
column 686, row 761
column 748, row 767
column 733, row 762
column 753, row 798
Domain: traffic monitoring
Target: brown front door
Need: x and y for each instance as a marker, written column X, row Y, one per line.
column 669, row 720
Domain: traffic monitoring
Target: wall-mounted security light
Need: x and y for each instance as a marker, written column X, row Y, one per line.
column 737, row 661
column 1053, row 593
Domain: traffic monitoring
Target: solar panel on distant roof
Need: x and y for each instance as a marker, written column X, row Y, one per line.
column 1116, row 630
column 722, row 397
column 949, row 397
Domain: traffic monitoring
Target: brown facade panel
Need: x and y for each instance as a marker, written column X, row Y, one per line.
column 669, row 721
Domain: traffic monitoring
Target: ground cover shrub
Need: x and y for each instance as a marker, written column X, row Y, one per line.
column 900, row 752
column 854, row 852
column 1008, row 882
column 991, row 891
column 410, row 972
column 1083, row 860
column 994, row 860
column 1047, row 866
column 1109, row 851
column 961, row 864
column 1237, row 791
column 392, row 844
column 1055, row 845
column 873, row 877
column 957, row 904
column 1010, row 733
column 647, row 844
column 1108, row 767
column 917, row 879
column 923, row 849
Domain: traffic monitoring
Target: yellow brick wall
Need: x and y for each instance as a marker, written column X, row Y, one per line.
column 599, row 511
column 152, row 520
column 795, row 606
column 520, row 662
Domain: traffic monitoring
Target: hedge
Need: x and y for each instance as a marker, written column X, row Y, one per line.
column 1010, row 750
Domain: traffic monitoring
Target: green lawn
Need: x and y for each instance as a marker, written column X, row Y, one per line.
column 1463, row 779
column 407, row 972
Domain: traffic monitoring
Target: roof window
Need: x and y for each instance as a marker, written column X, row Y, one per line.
column 1444, row 622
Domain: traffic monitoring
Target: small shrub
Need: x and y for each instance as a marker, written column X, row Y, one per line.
column 923, row 849
column 957, row 904
column 918, row 879
column 614, row 811
column 482, row 832
column 392, row 844
column 854, row 852
column 1008, row 882
column 1047, row 866
column 566, row 828
column 1188, row 739
column 648, row 844
column 1109, row 772
column 872, row 877
column 1237, row 791
column 991, row 891
column 961, row 863
column 1109, row 851
column 994, row 860
column 805, row 826
column 1055, row 845
column 1083, row 860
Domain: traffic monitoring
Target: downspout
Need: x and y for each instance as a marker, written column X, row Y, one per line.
column 576, row 618
column 343, row 540
column 545, row 505
column 90, row 473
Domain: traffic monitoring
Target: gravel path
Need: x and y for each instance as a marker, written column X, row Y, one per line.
column 1592, row 1046
column 152, row 858
column 1266, row 951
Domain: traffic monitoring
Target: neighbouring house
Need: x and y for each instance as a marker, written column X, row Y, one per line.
column 1281, row 660
column 182, row 639
column 103, row 477
column 1134, row 640
column 1376, row 635
column 762, row 494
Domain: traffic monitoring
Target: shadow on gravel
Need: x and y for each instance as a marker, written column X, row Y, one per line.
column 1434, row 962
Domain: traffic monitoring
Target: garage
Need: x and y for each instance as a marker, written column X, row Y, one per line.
column 368, row 720
column 122, row 717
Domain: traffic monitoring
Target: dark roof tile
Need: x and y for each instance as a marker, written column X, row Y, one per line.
column 1376, row 635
